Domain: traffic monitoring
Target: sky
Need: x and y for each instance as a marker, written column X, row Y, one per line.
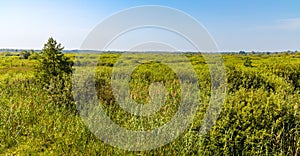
column 256, row 25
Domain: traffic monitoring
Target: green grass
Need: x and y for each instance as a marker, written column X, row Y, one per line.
column 260, row 115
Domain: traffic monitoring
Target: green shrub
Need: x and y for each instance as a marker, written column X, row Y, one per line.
column 248, row 62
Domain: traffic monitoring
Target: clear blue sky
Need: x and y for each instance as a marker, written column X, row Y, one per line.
column 259, row 25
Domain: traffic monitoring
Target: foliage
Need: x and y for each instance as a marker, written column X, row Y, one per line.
column 260, row 116
column 54, row 72
column 53, row 63
column 242, row 53
column 25, row 54
column 255, row 122
column 34, row 56
column 248, row 62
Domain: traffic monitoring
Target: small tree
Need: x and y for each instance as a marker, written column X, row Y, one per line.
column 242, row 53
column 248, row 62
column 54, row 72
column 53, row 63
column 25, row 54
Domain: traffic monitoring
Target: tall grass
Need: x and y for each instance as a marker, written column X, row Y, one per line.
column 260, row 115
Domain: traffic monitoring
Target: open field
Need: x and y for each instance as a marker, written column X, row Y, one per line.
column 260, row 115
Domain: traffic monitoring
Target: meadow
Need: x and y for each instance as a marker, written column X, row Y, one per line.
column 260, row 115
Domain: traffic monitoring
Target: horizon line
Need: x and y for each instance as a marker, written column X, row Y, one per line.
column 185, row 51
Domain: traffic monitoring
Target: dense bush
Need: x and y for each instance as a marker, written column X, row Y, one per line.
column 238, row 78
column 289, row 71
column 255, row 122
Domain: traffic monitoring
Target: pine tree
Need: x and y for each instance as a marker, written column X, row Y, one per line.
column 54, row 73
column 53, row 63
